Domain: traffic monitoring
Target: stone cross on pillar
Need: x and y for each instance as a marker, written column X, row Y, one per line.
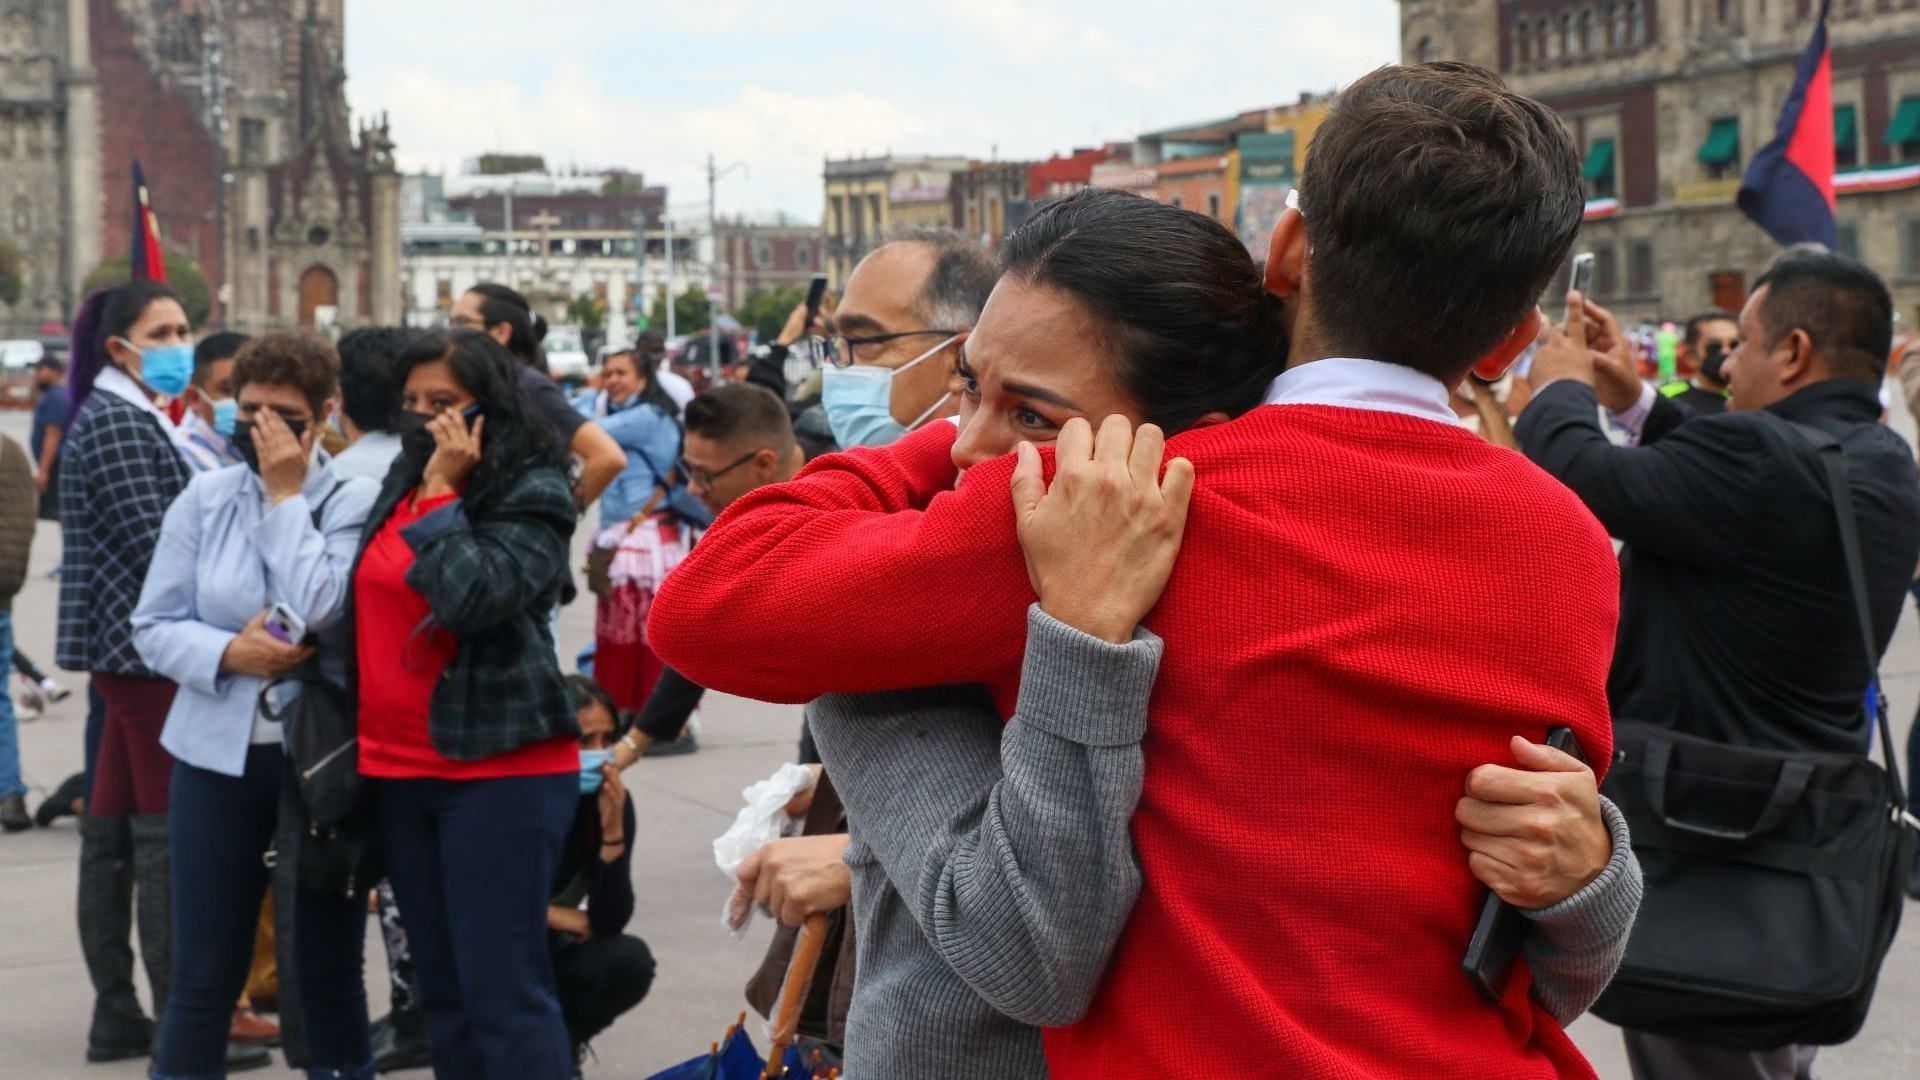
column 544, row 221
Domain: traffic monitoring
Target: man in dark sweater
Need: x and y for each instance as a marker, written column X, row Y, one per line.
column 1737, row 623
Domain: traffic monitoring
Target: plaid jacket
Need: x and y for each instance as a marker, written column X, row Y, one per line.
column 492, row 579
column 119, row 471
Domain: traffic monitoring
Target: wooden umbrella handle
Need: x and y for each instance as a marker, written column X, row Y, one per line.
column 793, row 992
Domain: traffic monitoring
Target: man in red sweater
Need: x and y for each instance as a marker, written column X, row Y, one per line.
column 1323, row 695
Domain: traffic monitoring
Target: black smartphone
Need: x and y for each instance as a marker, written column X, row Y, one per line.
column 473, row 412
column 1502, row 929
column 816, row 295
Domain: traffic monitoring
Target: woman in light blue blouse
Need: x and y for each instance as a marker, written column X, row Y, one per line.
column 645, row 516
column 277, row 534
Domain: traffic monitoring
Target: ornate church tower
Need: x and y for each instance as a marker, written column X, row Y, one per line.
column 317, row 240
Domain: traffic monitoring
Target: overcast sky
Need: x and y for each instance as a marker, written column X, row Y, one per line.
column 653, row 85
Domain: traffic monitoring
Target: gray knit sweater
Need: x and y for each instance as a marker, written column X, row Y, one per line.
column 993, row 870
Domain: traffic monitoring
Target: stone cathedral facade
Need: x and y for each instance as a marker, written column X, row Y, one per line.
column 237, row 111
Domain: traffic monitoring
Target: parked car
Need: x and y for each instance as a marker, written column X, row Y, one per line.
column 566, row 354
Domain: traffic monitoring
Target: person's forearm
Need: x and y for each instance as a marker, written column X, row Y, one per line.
column 1021, row 877
column 863, row 573
column 477, row 574
column 50, row 450
column 306, row 567
column 601, row 459
column 672, row 701
column 1574, row 947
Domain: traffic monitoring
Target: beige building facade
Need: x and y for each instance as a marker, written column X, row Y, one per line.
column 866, row 198
column 1669, row 100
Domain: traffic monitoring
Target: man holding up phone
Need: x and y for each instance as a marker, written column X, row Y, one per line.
column 1736, row 623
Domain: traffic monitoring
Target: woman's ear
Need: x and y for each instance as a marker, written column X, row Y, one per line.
column 121, row 353
column 501, row 332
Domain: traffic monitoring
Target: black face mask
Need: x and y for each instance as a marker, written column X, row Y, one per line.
column 243, row 440
column 1714, row 365
column 412, row 428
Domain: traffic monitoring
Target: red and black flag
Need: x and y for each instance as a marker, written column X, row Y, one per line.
column 1789, row 188
column 147, row 261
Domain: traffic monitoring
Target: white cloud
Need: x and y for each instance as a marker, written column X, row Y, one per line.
column 657, row 85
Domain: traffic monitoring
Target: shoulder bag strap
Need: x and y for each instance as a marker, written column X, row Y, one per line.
column 1834, row 457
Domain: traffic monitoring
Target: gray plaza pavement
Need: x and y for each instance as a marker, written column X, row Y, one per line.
column 682, row 804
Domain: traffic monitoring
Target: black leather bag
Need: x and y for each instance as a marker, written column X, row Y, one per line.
column 320, row 728
column 1773, row 880
column 322, row 738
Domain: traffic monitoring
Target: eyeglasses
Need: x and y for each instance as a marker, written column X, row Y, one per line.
column 465, row 322
column 704, row 478
column 838, row 349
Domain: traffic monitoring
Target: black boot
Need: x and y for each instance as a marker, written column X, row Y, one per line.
column 401, row 1042
column 153, row 905
column 13, row 814
column 60, row 803
column 105, row 914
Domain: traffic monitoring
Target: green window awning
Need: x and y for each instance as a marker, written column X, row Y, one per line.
column 1906, row 123
column 1599, row 163
column 1723, row 142
column 1846, row 132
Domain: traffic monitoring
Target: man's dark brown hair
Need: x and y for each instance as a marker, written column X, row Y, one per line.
column 287, row 358
column 1439, row 204
column 741, row 411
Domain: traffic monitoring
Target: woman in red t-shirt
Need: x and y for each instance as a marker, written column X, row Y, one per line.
column 466, row 726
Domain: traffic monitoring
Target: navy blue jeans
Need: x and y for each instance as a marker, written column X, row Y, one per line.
column 218, row 828
column 472, row 864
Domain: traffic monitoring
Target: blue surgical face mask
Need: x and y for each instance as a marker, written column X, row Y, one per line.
column 167, row 369
column 591, row 777
column 859, row 401
column 225, row 412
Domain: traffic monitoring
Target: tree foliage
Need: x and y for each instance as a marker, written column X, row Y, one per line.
column 766, row 311
column 690, row 314
column 183, row 276
column 587, row 312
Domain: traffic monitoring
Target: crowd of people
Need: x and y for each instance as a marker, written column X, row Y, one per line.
column 1120, row 575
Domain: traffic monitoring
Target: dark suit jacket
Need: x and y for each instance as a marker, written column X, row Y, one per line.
column 1736, row 618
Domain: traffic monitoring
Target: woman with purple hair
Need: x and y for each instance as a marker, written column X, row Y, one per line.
column 119, row 473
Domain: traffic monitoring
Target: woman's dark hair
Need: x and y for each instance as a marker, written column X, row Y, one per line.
column 651, row 392
column 515, row 438
column 106, row 313
column 587, row 692
column 368, row 393
column 499, row 304
column 1177, row 299
column 288, row 358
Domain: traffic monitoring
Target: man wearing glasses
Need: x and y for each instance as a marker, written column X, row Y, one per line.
column 887, row 355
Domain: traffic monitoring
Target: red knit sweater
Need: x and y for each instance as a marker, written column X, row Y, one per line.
column 1323, row 695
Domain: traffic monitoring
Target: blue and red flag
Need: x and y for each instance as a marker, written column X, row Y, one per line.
column 147, row 261
column 1788, row 190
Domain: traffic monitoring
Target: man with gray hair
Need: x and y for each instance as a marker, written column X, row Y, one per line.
column 889, row 352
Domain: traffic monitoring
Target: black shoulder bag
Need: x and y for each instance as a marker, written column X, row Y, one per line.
column 325, row 820
column 1774, row 880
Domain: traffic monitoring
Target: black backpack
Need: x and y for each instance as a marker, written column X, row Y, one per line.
column 1774, row 881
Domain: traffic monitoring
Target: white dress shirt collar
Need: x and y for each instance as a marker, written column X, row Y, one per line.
column 1364, row 384
column 116, row 382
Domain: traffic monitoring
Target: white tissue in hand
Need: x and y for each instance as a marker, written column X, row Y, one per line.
column 764, row 818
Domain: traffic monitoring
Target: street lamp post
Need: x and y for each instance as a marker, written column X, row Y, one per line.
column 713, row 237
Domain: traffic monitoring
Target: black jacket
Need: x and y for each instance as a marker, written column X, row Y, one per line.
column 1736, row 618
